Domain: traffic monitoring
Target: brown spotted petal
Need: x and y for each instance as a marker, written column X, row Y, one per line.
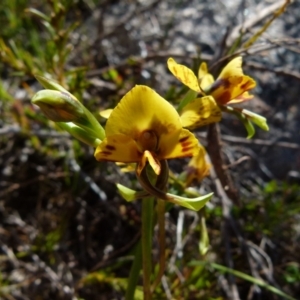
column 118, row 148
column 231, row 83
column 186, row 145
column 184, row 74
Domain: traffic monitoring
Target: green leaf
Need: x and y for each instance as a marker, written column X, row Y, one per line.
column 50, row 84
column 204, row 239
column 38, row 13
column 249, row 127
column 5, row 96
column 193, row 204
column 244, row 276
column 129, row 194
column 190, row 95
column 79, row 133
column 243, row 118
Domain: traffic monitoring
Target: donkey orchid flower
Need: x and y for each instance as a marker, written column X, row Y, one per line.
column 231, row 86
column 143, row 128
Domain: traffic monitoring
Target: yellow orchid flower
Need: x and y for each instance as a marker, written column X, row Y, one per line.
column 231, row 86
column 199, row 111
column 143, row 128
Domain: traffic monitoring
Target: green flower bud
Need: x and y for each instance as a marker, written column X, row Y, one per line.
column 259, row 120
column 247, row 117
column 59, row 106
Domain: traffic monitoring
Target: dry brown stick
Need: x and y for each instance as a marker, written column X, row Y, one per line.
column 241, row 140
column 149, row 57
column 214, row 148
column 227, row 222
column 278, row 71
column 226, row 191
column 245, row 52
column 259, row 16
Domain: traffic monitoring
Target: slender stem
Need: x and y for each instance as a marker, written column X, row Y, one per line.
column 134, row 272
column 161, row 206
column 147, row 232
column 214, row 147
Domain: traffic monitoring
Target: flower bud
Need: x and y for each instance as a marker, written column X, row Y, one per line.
column 59, row 106
column 257, row 119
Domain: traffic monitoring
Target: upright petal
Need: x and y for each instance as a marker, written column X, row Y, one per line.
column 184, row 75
column 203, row 70
column 140, row 110
column 205, row 79
column 200, row 112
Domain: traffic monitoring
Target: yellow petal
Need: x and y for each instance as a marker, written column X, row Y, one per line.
column 205, row 79
column 153, row 161
column 233, row 68
column 242, row 98
column 200, row 112
column 118, row 148
column 231, row 83
column 186, row 145
column 184, row 75
column 203, row 70
column 105, row 113
column 197, row 168
column 126, row 167
column 141, row 110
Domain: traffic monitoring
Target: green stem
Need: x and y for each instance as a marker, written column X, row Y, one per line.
column 161, row 207
column 147, row 231
column 134, row 272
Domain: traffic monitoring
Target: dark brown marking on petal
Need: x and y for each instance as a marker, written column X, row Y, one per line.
column 186, row 154
column 226, row 83
column 182, row 140
column 186, row 144
column 246, row 86
column 109, row 147
column 218, row 83
column 106, row 153
column 185, row 149
column 224, row 98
